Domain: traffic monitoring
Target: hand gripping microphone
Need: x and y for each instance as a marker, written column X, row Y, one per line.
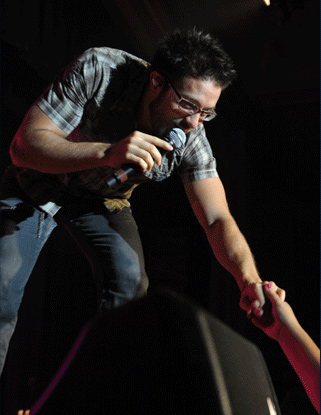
column 176, row 138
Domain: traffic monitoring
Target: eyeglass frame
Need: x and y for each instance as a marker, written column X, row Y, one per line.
column 199, row 110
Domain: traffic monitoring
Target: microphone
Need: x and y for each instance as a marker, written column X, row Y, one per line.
column 176, row 138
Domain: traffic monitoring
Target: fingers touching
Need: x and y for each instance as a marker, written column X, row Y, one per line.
column 253, row 298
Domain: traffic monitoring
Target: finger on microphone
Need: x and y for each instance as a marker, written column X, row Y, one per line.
column 174, row 140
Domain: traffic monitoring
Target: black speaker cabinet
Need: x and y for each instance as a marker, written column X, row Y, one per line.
column 160, row 355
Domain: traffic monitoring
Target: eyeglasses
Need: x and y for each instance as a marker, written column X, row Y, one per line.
column 190, row 108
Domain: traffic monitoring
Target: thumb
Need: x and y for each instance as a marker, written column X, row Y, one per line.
column 270, row 291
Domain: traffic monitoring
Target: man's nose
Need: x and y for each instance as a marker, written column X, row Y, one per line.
column 193, row 120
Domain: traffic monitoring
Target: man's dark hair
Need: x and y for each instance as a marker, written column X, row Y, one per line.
column 195, row 54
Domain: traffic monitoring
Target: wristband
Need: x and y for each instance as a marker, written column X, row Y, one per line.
column 247, row 285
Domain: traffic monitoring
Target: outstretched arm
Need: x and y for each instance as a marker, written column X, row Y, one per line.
column 208, row 200
column 299, row 348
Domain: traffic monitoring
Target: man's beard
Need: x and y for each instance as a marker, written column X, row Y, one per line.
column 159, row 125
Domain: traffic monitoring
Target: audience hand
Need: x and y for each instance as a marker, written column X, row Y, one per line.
column 277, row 312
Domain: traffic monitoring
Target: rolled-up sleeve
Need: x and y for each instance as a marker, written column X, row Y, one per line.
column 198, row 161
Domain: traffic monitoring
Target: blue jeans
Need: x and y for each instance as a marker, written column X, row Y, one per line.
column 110, row 240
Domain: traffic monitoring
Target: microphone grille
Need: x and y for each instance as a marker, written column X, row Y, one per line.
column 176, row 137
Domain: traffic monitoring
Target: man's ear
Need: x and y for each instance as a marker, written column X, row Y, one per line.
column 156, row 81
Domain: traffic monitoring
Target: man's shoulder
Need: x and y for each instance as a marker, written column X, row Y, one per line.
column 110, row 56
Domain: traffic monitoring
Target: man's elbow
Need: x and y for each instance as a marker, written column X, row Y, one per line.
column 17, row 154
column 223, row 220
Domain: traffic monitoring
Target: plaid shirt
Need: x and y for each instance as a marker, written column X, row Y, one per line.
column 95, row 99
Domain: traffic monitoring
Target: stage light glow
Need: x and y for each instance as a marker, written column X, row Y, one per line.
column 267, row 2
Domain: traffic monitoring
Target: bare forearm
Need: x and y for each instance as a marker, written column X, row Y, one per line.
column 41, row 145
column 208, row 200
column 304, row 356
column 232, row 250
column 48, row 152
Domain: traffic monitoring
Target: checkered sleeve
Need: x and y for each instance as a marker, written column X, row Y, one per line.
column 198, row 161
column 66, row 97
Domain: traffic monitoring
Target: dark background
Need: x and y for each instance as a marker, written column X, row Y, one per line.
column 265, row 140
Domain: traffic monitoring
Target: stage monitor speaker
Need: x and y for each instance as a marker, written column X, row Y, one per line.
column 160, row 355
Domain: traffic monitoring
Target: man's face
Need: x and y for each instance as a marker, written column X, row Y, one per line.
column 165, row 112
